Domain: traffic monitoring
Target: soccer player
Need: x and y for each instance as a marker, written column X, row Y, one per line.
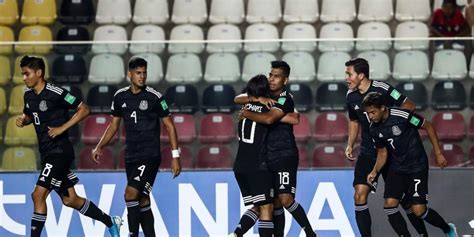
column 359, row 84
column 281, row 150
column 47, row 106
column 141, row 107
column 395, row 132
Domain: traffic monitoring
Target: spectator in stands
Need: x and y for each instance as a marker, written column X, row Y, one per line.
column 448, row 21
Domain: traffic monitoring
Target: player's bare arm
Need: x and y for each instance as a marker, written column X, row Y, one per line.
column 352, row 138
column 23, row 120
column 382, row 155
column 81, row 112
column 173, row 137
column 274, row 115
column 440, row 160
column 244, row 98
column 291, row 118
column 408, row 104
column 106, row 137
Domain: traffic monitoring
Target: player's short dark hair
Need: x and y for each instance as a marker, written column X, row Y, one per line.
column 282, row 65
column 453, row 2
column 136, row 62
column 360, row 66
column 374, row 99
column 258, row 86
column 34, row 63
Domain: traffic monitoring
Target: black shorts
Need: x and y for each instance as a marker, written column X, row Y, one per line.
column 256, row 187
column 362, row 169
column 141, row 174
column 413, row 188
column 284, row 175
column 56, row 173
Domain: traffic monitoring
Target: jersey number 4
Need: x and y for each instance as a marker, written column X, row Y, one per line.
column 249, row 138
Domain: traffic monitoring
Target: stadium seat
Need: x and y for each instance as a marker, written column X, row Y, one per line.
column 94, row 127
column 151, row 12
column 182, row 99
column 217, row 128
column 18, row 77
column 302, row 96
column 302, row 66
column 338, row 11
column 448, row 95
column 99, row 98
column 41, row 12
column 329, row 156
column 106, row 159
column 471, row 67
column 412, row 29
column 8, row 12
column 470, row 163
column 19, row 159
column 301, row 11
column 69, row 69
column 218, row 98
column 183, row 68
column 299, row 31
column 224, row 32
column 409, row 10
column 336, row 30
column 3, row 103
column 375, row 10
column 379, row 64
column 302, row 131
column 154, row 67
column 16, row 100
column 416, row 92
column 106, row 69
column 411, row 66
column 449, row 126
column 256, row 63
column 185, row 128
column 15, row 136
column 304, row 159
column 72, row 33
column 331, row 97
column 214, row 157
column 147, row 33
column 263, row 11
column 373, row 30
column 6, row 34
column 113, row 12
column 330, row 127
column 5, row 70
column 189, row 11
column 186, row 32
column 261, row 31
column 76, row 12
column 222, row 67
column 34, row 33
column 331, row 66
column 227, row 11
column 110, row 33
column 186, row 158
column 453, row 153
column 449, row 64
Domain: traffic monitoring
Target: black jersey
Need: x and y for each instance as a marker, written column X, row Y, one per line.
column 281, row 140
column 356, row 112
column 50, row 109
column 399, row 134
column 251, row 142
column 141, row 114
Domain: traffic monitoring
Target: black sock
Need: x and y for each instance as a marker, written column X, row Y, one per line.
column 364, row 222
column 265, row 228
column 432, row 217
column 278, row 222
column 299, row 214
column 147, row 221
column 417, row 222
column 133, row 209
column 396, row 220
column 37, row 224
column 246, row 222
column 91, row 210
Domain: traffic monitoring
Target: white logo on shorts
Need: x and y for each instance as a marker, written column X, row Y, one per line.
column 137, row 178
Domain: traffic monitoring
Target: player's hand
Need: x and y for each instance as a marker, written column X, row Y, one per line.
column 348, row 153
column 266, row 101
column 371, row 177
column 96, row 153
column 240, row 116
column 175, row 167
column 20, row 121
column 441, row 161
column 54, row 132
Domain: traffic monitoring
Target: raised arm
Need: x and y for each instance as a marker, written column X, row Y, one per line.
column 291, row 118
column 274, row 115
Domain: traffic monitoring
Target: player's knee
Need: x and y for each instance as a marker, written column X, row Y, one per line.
column 144, row 201
column 131, row 194
column 286, row 199
column 360, row 197
column 418, row 210
column 68, row 201
column 37, row 197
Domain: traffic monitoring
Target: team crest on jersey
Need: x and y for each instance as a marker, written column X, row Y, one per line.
column 43, row 106
column 396, row 130
column 143, row 105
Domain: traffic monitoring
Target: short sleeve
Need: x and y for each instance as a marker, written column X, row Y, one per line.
column 416, row 120
column 379, row 143
column 394, row 97
column 352, row 113
column 285, row 103
column 115, row 108
column 163, row 110
column 69, row 100
column 26, row 110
